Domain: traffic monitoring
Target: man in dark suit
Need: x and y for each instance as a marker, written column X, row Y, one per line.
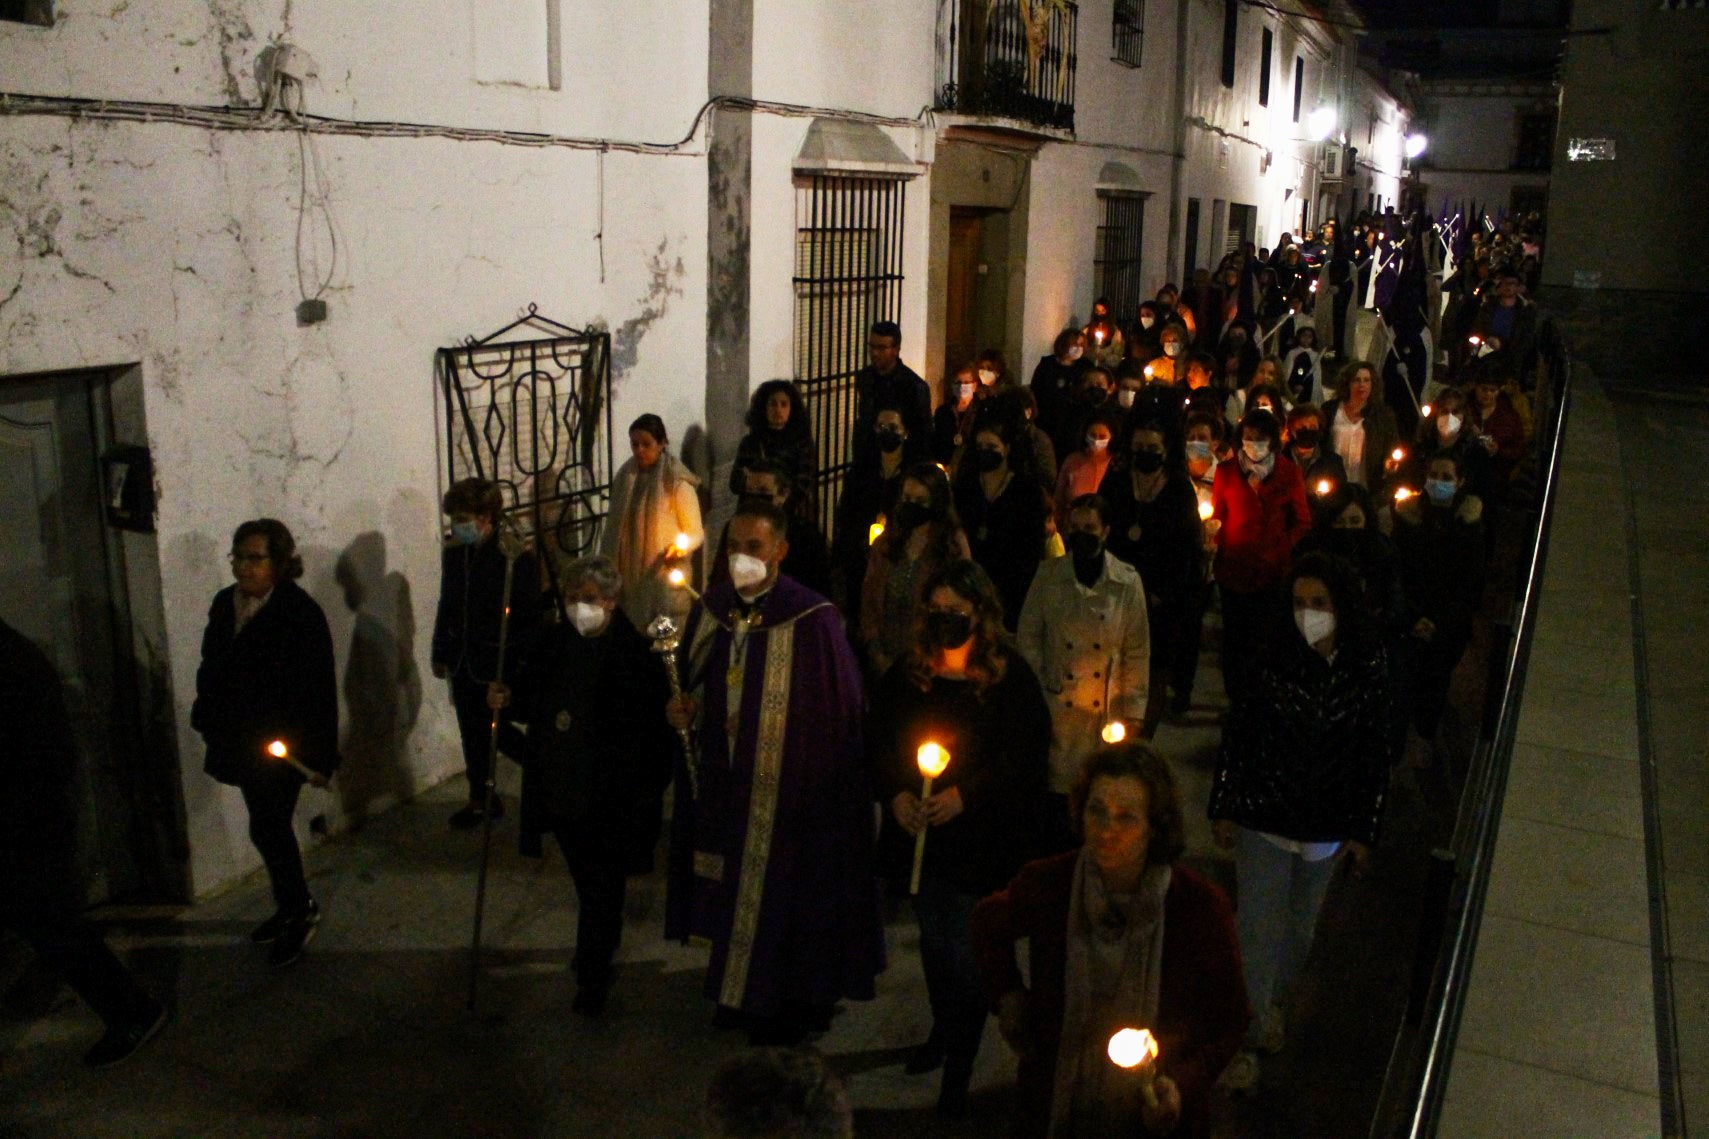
column 887, row 382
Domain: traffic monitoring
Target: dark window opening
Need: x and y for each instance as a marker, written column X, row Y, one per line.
column 39, row 12
column 1230, row 39
column 1266, row 55
column 1192, row 258
column 848, row 276
column 1299, row 84
column 1129, row 31
column 1116, row 263
column 1536, row 140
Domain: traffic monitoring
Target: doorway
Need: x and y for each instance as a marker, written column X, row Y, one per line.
column 1242, row 225
column 976, row 302
column 64, row 584
column 1192, row 260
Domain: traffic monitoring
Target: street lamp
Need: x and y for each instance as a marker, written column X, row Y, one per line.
column 1415, row 146
column 1320, row 124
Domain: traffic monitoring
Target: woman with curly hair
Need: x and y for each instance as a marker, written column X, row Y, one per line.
column 966, row 688
column 922, row 536
column 778, row 431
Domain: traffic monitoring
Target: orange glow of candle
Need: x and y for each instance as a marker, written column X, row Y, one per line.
column 677, row 578
column 683, row 541
column 278, row 750
column 1114, row 732
column 1148, row 372
column 1403, row 493
column 1474, row 341
column 1398, row 454
column 1132, row 1047
column 875, row 531
column 1324, row 486
column 1205, row 511
column 1425, row 411
column 932, row 758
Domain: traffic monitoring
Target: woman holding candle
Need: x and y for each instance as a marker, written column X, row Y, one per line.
column 1301, row 777
column 1320, row 466
column 963, row 687
column 923, row 535
column 654, row 522
column 1446, row 429
column 1119, row 936
column 1104, row 336
column 1083, row 471
column 266, row 677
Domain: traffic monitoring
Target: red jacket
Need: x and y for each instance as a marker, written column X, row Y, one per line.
column 1255, row 547
column 1202, row 1012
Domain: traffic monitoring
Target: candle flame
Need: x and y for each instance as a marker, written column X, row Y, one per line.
column 932, row 759
column 1425, row 411
column 1148, row 372
column 1474, row 341
column 1324, row 486
column 1314, row 286
column 875, row 531
column 1205, row 511
column 1131, row 1047
column 677, row 578
column 1399, row 454
column 682, row 543
column 278, row 750
column 1114, row 732
column 1403, row 493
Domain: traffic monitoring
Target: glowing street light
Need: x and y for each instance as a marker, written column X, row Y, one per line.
column 1415, row 145
column 1320, row 124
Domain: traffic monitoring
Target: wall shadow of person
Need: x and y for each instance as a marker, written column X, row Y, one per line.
column 382, row 684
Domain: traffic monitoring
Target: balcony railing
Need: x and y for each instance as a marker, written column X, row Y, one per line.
column 1011, row 59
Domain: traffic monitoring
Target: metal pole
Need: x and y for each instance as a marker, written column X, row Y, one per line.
column 510, row 544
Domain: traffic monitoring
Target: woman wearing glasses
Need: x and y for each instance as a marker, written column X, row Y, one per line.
column 267, row 694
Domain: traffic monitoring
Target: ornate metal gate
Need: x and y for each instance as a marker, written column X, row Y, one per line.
column 534, row 415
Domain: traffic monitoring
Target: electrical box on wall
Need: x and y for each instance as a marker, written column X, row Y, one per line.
column 129, row 473
column 1332, row 155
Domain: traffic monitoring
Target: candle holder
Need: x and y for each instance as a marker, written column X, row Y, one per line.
column 666, row 638
column 932, row 760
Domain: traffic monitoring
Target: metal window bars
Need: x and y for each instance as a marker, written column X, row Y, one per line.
column 848, row 276
column 534, row 415
column 1128, row 32
column 1011, row 59
column 1116, row 263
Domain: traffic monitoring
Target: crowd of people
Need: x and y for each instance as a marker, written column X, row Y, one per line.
column 948, row 689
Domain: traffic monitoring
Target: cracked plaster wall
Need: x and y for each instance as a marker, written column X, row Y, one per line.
column 173, row 247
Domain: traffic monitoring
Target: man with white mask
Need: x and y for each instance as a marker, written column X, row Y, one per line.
column 596, row 758
column 771, row 846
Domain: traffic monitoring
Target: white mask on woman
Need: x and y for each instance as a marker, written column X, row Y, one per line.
column 987, row 376
column 1173, row 348
column 1095, row 443
column 966, row 390
column 588, row 617
column 1314, row 624
column 1146, row 320
column 1075, row 352
column 1448, row 425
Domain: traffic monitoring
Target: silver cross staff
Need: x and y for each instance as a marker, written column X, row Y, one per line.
column 666, row 637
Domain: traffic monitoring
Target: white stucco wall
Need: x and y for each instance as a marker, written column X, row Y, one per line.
column 174, row 247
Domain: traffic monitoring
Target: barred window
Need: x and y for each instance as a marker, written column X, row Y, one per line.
column 848, row 276
column 1129, row 31
column 1115, row 267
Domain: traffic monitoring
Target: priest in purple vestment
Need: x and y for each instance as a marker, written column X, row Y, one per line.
column 772, row 861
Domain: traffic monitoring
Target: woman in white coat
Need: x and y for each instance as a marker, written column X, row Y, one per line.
column 654, row 523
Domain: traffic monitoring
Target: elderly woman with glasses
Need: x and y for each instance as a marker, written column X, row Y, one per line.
column 267, row 706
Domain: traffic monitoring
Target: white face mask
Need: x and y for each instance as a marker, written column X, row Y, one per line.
column 1447, row 425
column 1257, row 449
column 1173, row 348
column 1125, row 397
column 747, row 571
column 1096, row 443
column 588, row 617
column 1146, row 320
column 966, row 390
column 1314, row 624
column 1075, row 352
column 987, row 376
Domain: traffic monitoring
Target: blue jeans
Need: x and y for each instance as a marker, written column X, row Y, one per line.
column 1280, row 896
column 952, row 973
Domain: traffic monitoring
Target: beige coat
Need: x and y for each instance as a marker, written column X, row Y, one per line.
column 1091, row 649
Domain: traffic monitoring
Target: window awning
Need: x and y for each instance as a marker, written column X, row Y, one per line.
column 842, row 146
column 1116, row 180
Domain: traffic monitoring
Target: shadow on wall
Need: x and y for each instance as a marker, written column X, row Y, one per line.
column 382, row 684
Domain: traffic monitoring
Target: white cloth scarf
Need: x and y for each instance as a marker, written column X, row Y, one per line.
column 1113, row 979
column 646, row 530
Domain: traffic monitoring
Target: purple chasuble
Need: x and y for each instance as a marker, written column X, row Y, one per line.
column 773, row 863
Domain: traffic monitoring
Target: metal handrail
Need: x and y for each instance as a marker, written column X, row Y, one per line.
column 1418, row 1076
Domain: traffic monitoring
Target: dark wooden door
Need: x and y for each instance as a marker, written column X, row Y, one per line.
column 961, row 309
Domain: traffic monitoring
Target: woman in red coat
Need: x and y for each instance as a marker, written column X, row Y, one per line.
column 1260, row 507
column 1119, row 937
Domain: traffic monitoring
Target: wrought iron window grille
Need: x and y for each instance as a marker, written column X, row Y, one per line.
column 1128, row 32
column 1011, row 59
column 534, row 415
column 848, row 276
column 1117, row 261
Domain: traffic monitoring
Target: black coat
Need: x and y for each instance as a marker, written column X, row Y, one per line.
column 1306, row 754
column 598, row 751
column 1442, row 563
column 1162, row 539
column 795, row 450
column 275, row 680
column 37, row 767
column 1006, row 536
column 901, row 389
column 1054, row 385
column 999, row 746
column 471, row 601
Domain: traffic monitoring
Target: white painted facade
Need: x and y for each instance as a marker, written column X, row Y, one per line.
column 173, row 246
column 1474, row 143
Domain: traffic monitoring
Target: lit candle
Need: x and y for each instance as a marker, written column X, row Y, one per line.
column 1114, row 732
column 932, row 759
column 874, row 531
column 682, row 543
column 1205, row 511
column 1474, row 341
column 679, row 580
column 1135, row 1050
column 278, row 750
column 1398, row 454
column 1403, row 493
column 1425, row 411
column 1324, row 486
column 1098, row 335
column 1314, row 286
column 1148, row 372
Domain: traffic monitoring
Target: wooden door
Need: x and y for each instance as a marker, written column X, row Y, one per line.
column 961, row 309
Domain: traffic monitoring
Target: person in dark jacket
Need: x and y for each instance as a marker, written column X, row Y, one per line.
column 466, row 629
column 1440, row 537
column 267, row 694
column 778, row 432
column 1155, row 528
column 1320, row 467
column 887, row 382
column 809, row 559
column 870, row 489
column 1119, row 935
column 964, row 687
column 1056, row 379
column 1003, row 509
column 1301, row 777
column 596, row 760
column 39, row 891
column 1448, row 429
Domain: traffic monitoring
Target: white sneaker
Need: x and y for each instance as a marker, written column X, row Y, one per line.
column 1241, row 1075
